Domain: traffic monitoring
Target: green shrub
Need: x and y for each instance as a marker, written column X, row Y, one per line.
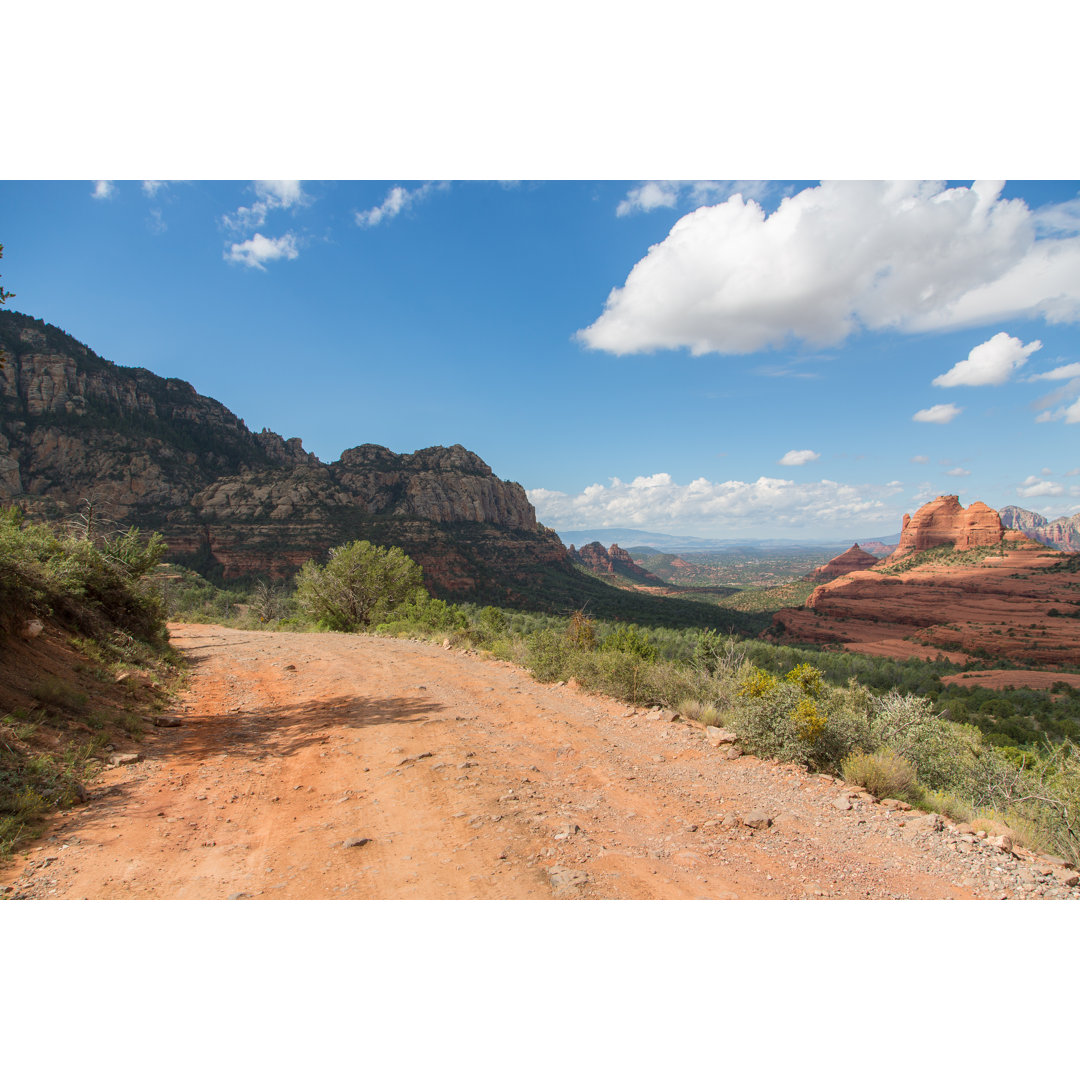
column 59, row 694
column 361, row 584
column 632, row 640
column 885, row 774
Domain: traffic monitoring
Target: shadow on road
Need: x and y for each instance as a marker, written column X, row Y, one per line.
column 272, row 731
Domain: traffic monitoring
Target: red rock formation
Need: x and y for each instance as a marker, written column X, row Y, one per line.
column 851, row 560
column 614, row 562
column 945, row 521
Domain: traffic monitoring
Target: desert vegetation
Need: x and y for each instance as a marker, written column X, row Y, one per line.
column 889, row 726
column 90, row 599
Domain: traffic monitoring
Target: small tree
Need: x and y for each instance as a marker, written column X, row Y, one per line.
column 360, row 584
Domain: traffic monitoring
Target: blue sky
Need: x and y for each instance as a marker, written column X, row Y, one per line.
column 766, row 367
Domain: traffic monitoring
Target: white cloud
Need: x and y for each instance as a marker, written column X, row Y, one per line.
column 798, row 457
column 103, row 189
column 1046, row 472
column 1033, row 488
column 989, row 364
column 920, row 459
column 906, row 256
column 397, row 200
column 1052, row 405
column 152, row 187
column 269, row 195
column 656, row 194
column 1066, row 371
column 958, row 471
column 658, row 502
column 260, row 250
column 937, row 414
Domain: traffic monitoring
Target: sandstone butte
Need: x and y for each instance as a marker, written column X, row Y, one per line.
column 849, row 561
column 1018, row 602
column 945, row 521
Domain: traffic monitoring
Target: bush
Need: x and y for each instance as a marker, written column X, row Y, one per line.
column 359, row 585
column 92, row 588
column 885, row 774
column 631, row 640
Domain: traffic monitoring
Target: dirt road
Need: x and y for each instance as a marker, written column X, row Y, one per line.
column 337, row 766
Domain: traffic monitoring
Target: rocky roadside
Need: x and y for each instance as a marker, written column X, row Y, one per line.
column 312, row 766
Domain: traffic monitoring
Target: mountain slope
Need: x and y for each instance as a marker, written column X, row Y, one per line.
column 153, row 452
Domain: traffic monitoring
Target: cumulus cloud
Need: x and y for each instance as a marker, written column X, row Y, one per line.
column 269, row 195
column 658, row 502
column 1033, row 488
column 989, row 364
column 657, row 194
column 152, row 187
column 906, row 256
column 1066, row 371
column 103, row 189
column 958, row 471
column 260, row 250
column 397, row 199
column 938, row 414
column 920, row 459
column 798, row 457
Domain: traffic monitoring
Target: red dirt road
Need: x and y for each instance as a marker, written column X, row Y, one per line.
column 338, row 766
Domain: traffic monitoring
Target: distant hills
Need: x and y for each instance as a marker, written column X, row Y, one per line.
column 681, row 545
column 1062, row 533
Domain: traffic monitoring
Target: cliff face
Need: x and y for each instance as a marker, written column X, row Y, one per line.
column 1062, row 533
column 155, row 453
column 846, row 563
column 945, row 521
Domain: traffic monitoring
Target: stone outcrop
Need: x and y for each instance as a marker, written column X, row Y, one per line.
column 1015, row 602
column 155, row 453
column 1063, row 533
column 945, row 521
column 855, row 558
column 612, row 562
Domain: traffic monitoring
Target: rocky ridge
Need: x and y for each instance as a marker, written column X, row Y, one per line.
column 612, row 562
column 153, row 452
column 1062, row 533
column 1010, row 597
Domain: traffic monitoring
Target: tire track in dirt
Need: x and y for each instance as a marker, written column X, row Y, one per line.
column 340, row 766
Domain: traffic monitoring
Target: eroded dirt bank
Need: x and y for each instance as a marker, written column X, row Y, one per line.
column 334, row 766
